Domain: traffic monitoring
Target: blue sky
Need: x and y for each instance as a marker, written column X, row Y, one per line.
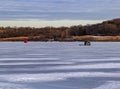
column 59, row 9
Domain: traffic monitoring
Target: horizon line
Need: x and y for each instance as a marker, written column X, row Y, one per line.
column 45, row 23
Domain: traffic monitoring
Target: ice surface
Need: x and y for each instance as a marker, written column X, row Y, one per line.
column 59, row 65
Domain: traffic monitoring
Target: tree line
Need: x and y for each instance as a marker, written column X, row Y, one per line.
column 106, row 28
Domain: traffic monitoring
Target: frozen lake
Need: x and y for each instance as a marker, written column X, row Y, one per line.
column 59, row 65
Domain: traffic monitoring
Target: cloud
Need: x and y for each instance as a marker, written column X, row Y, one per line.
column 59, row 9
column 43, row 23
column 4, row 85
column 47, row 77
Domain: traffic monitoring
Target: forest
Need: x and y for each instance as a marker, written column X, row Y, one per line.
column 106, row 28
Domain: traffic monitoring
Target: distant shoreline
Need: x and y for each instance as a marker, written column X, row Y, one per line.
column 105, row 31
column 69, row 39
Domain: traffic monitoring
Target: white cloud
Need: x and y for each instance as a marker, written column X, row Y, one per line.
column 45, row 77
column 43, row 23
column 12, row 86
column 57, row 9
column 110, row 85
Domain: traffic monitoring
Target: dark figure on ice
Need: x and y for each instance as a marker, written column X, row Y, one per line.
column 87, row 43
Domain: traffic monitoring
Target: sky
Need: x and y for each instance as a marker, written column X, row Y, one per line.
column 57, row 12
